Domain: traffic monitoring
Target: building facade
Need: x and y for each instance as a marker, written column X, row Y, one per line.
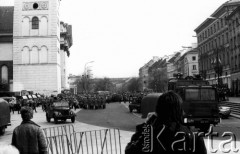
column 214, row 49
column 35, row 48
column 144, row 73
column 65, row 44
column 6, row 46
column 190, row 63
column 171, row 65
column 234, row 46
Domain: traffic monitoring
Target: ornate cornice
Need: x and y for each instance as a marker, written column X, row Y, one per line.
column 42, row 5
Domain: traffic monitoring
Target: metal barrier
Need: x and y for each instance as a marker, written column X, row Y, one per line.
column 59, row 145
column 106, row 141
column 58, row 138
column 58, row 130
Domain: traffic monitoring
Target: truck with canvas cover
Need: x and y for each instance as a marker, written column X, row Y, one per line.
column 200, row 101
column 4, row 115
column 149, row 103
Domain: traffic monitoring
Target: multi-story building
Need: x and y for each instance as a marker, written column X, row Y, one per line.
column 190, row 63
column 32, row 57
column 213, row 45
column 234, row 47
column 72, row 81
column 6, row 45
column 144, row 74
column 65, row 44
column 171, row 65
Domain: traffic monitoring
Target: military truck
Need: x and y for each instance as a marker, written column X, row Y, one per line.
column 200, row 101
column 60, row 110
column 5, row 118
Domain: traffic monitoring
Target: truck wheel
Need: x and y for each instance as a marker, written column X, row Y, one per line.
column 2, row 130
column 73, row 119
column 130, row 110
column 55, row 120
column 48, row 118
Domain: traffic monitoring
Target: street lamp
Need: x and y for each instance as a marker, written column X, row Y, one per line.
column 86, row 66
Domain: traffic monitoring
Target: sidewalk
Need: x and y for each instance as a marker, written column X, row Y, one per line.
column 233, row 100
column 40, row 119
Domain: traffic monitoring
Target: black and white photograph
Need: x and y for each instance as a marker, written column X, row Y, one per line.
column 119, row 76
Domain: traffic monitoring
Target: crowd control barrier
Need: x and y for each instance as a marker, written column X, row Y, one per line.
column 104, row 141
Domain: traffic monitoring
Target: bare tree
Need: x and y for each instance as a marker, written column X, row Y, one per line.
column 134, row 85
column 104, row 84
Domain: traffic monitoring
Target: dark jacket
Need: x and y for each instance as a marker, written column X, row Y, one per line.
column 159, row 138
column 28, row 138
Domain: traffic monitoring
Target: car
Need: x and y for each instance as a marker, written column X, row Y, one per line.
column 224, row 111
column 60, row 110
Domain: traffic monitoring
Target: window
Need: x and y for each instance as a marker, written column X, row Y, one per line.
column 43, row 26
column 193, row 58
column 34, row 55
column 35, row 23
column 35, row 6
column 25, row 55
column 25, row 26
column 194, row 67
column 43, row 55
column 4, row 72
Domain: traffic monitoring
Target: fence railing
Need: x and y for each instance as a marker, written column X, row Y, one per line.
column 58, row 130
column 66, row 141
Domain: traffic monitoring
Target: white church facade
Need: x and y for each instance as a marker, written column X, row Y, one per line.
column 40, row 47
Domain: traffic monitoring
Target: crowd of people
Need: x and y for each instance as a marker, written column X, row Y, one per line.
column 28, row 138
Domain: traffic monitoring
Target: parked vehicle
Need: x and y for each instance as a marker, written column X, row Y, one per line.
column 224, row 112
column 4, row 115
column 60, row 111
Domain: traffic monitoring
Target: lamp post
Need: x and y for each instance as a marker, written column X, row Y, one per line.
column 85, row 66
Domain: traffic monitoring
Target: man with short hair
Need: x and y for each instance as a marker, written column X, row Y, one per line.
column 28, row 137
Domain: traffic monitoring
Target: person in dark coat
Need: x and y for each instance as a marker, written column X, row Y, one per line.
column 164, row 132
column 28, row 137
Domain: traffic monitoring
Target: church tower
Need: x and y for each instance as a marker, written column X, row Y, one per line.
column 36, row 46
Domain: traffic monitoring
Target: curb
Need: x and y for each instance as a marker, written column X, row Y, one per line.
column 235, row 115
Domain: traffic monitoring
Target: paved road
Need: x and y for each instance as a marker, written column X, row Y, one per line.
column 116, row 115
column 40, row 119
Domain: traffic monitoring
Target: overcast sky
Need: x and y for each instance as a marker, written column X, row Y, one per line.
column 120, row 36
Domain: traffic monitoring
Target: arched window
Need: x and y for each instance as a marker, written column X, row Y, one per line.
column 43, row 26
column 25, row 55
column 43, row 54
column 25, row 26
column 4, row 72
column 34, row 55
column 35, row 23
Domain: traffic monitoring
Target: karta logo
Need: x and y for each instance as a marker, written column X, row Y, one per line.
column 147, row 138
column 182, row 141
